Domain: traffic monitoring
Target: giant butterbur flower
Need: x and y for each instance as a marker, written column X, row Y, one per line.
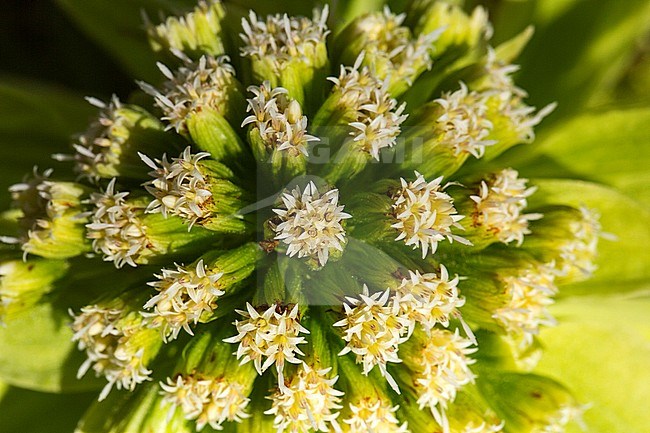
column 309, row 224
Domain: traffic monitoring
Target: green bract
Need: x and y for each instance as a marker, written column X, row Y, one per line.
column 329, row 220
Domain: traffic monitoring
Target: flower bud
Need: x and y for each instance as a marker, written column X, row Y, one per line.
column 446, row 132
column 529, row 403
column 123, row 233
column 202, row 100
column 200, row 191
column 391, row 50
column 117, row 344
column 289, row 52
column 109, row 147
column 495, row 206
column 196, row 33
column 189, row 294
column 209, row 386
column 277, row 133
column 368, row 407
column 310, row 224
column 52, row 218
column 567, row 239
column 23, row 283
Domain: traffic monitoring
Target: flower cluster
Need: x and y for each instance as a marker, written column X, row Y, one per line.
column 208, row 401
column 278, row 292
column 425, row 214
column 311, row 223
column 270, row 337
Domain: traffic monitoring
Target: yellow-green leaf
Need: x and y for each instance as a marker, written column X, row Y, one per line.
column 601, row 349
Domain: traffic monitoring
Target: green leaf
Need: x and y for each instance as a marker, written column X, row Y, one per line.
column 38, row 352
column 601, row 349
column 610, row 147
column 27, row 411
column 118, row 26
column 623, row 262
column 133, row 412
column 579, row 48
column 36, row 120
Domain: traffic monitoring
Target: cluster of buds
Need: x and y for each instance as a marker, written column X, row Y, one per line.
column 274, row 291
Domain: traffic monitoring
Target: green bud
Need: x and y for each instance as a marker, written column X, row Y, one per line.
column 53, row 218
column 461, row 33
column 527, row 402
column 23, row 283
column 200, row 191
column 117, row 342
column 567, row 239
column 289, row 52
column 193, row 294
column 387, row 47
column 124, row 233
column 109, row 147
column 196, row 33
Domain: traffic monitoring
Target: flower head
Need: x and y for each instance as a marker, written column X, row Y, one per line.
column 373, row 329
column 376, row 415
column 429, row 299
column 208, row 401
column 270, row 337
column 311, row 223
column 185, row 296
column 115, row 227
column 309, row 403
column 463, row 123
column 180, row 187
column 197, row 85
column 281, row 38
column 425, row 214
column 499, row 206
column 110, row 338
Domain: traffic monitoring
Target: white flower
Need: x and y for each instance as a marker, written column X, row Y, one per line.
column 425, row 214
column 428, row 299
column 392, row 45
column 106, row 334
column 192, row 87
column 499, row 206
column 443, row 370
column 185, row 296
column 309, row 402
column 374, row 415
column 180, row 187
column 281, row 38
column 99, row 149
column 578, row 253
column 529, row 294
column 378, row 115
column 373, row 329
column 463, row 123
column 115, row 228
column 310, row 223
column 279, row 119
column 209, row 401
column 270, row 337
